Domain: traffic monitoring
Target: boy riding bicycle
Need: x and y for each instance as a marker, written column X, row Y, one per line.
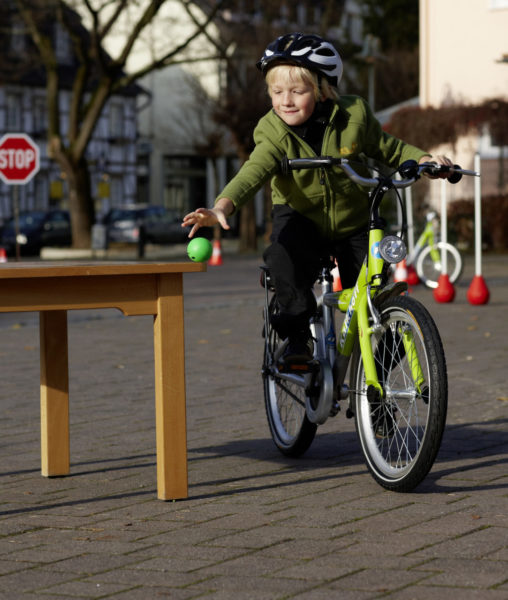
column 315, row 213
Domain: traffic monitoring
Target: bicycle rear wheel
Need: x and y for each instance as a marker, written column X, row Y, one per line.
column 429, row 271
column 401, row 433
column 291, row 430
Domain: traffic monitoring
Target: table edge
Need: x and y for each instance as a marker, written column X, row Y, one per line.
column 77, row 269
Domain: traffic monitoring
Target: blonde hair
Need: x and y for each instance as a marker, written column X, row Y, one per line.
column 294, row 73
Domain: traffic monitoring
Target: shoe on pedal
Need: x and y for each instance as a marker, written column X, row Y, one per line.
column 299, row 352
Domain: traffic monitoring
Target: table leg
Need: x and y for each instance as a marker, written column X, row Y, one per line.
column 170, row 410
column 54, row 393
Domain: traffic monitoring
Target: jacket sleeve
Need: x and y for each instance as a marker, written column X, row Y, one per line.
column 261, row 165
column 386, row 148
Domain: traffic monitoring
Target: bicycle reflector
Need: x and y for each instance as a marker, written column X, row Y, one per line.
column 392, row 249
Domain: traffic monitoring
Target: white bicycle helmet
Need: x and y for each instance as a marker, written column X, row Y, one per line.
column 306, row 50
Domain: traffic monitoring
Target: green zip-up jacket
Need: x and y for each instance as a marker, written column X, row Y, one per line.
column 328, row 197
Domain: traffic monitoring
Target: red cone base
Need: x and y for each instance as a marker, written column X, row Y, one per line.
column 445, row 292
column 478, row 292
column 412, row 276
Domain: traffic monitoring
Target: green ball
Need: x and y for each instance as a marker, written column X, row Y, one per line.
column 199, row 249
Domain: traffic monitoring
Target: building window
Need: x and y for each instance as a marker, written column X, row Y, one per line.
column 184, row 183
column 13, row 113
column 41, row 191
column 116, row 120
column 62, row 45
column 116, row 190
column 18, row 40
column 40, row 116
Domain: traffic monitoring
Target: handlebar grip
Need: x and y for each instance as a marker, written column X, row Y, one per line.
column 455, row 177
column 435, row 170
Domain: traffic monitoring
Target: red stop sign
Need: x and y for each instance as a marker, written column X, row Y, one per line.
column 19, row 158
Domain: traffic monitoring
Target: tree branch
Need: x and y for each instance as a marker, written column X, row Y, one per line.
column 167, row 59
column 43, row 43
column 144, row 20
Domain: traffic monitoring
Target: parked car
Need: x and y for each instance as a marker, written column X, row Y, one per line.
column 124, row 223
column 167, row 229
column 140, row 224
column 37, row 229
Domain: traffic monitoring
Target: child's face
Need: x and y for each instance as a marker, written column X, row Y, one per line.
column 292, row 99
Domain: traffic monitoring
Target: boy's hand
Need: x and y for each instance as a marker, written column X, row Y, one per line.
column 205, row 217
column 440, row 160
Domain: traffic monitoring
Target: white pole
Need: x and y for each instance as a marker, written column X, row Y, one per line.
column 444, row 228
column 477, row 217
column 399, row 209
column 410, row 224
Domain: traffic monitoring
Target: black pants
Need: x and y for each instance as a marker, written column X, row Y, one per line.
column 294, row 259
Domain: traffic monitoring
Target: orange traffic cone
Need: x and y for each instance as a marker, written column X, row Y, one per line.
column 3, row 255
column 337, row 284
column 400, row 271
column 216, row 258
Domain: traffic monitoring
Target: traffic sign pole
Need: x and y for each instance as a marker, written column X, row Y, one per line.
column 19, row 162
column 15, row 202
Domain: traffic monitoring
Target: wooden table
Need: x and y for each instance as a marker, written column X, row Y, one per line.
column 135, row 289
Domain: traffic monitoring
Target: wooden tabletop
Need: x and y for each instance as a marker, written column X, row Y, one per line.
column 17, row 270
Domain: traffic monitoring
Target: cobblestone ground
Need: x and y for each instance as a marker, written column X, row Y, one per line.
column 256, row 525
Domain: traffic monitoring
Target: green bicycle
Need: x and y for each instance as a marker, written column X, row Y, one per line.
column 427, row 254
column 397, row 389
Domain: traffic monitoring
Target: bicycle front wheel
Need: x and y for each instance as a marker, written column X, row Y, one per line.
column 285, row 397
column 400, row 433
column 429, row 270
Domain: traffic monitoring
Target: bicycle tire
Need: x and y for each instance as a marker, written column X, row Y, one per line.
column 291, row 430
column 400, row 434
column 429, row 272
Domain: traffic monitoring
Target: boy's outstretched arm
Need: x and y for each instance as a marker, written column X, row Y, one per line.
column 207, row 217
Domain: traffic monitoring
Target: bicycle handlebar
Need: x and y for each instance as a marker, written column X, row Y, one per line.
column 410, row 170
column 456, row 172
column 294, row 164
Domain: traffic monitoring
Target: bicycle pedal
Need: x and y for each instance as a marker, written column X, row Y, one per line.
column 310, row 366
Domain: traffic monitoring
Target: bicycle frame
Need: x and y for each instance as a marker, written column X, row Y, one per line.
column 358, row 314
column 362, row 319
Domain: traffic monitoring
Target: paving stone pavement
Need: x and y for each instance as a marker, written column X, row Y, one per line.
column 256, row 525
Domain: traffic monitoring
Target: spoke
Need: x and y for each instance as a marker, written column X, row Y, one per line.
column 289, row 392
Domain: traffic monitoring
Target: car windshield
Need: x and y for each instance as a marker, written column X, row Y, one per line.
column 28, row 219
column 154, row 211
column 122, row 214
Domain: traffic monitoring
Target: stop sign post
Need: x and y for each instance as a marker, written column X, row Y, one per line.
column 19, row 162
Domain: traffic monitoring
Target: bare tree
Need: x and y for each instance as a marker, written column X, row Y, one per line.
column 99, row 74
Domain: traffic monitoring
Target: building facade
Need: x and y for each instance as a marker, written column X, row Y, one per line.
column 464, row 60
column 111, row 153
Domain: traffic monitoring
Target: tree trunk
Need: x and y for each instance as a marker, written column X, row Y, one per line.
column 80, row 203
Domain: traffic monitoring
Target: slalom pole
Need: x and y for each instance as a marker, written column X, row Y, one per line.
column 444, row 292
column 478, row 292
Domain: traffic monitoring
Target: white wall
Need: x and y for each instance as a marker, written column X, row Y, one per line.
column 460, row 44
